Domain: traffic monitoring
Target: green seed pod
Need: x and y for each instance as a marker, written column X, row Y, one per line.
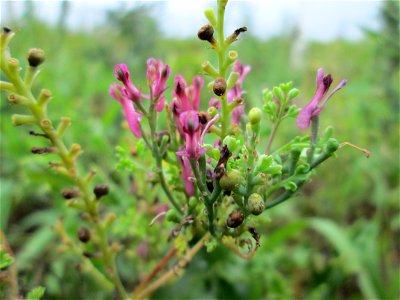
column 235, row 219
column 255, row 115
column 231, row 180
column 192, row 203
column 331, row 145
column 255, row 204
column 172, row 216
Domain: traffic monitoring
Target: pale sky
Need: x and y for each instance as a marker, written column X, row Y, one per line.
column 319, row 20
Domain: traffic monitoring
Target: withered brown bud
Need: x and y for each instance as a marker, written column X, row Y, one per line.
column 233, row 37
column 6, row 30
column 100, row 190
column 35, row 57
column 69, row 193
column 223, row 159
column 235, row 219
column 84, row 234
column 206, row 33
column 219, row 86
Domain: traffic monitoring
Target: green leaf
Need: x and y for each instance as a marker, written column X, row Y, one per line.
column 267, row 165
column 6, row 259
column 36, row 294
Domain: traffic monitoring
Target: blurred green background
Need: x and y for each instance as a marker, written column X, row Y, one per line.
column 338, row 239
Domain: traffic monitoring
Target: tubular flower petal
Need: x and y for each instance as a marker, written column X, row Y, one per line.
column 237, row 91
column 121, row 73
column 157, row 76
column 315, row 106
column 131, row 115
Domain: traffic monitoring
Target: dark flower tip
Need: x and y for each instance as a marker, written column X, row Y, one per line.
column 6, row 30
column 240, row 30
column 327, row 81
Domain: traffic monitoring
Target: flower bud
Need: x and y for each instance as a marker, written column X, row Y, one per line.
column 331, row 145
column 235, row 219
column 35, row 57
column 84, row 234
column 255, row 204
column 100, row 190
column 231, row 180
column 206, row 33
column 212, row 111
column 255, row 115
column 219, row 86
column 69, row 193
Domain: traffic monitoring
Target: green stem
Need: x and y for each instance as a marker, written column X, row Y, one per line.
column 225, row 113
column 156, row 154
column 272, row 137
column 287, row 194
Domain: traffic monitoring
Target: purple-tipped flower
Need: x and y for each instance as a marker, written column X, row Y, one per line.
column 131, row 115
column 194, row 133
column 315, row 106
column 186, row 98
column 121, row 73
column 236, row 91
column 157, row 75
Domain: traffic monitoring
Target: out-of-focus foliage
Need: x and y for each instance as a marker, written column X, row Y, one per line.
column 339, row 239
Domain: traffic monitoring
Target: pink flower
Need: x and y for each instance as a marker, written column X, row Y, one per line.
column 185, row 98
column 131, row 115
column 315, row 106
column 186, row 174
column 194, row 133
column 121, row 73
column 236, row 91
column 157, row 75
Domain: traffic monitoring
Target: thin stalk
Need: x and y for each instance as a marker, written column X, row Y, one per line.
column 225, row 113
column 174, row 272
column 156, row 154
column 287, row 194
column 161, row 264
column 272, row 137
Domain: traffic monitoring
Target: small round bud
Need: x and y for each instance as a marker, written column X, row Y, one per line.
column 35, row 57
column 206, row 33
column 69, row 193
column 231, row 180
column 212, row 111
column 235, row 219
column 255, row 115
column 255, row 204
column 100, row 190
column 84, row 234
column 219, row 86
column 331, row 145
column 172, row 216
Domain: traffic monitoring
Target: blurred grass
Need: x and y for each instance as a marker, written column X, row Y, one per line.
column 339, row 239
